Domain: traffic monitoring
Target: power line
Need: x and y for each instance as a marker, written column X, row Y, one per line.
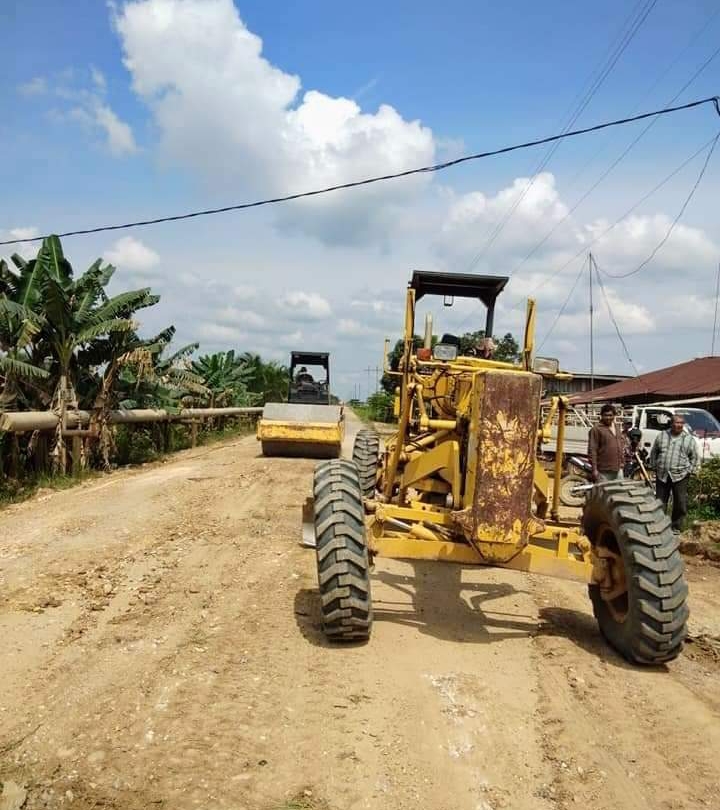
column 673, row 223
column 522, row 300
column 708, row 22
column 617, row 161
column 605, row 72
column 614, row 321
column 714, row 100
column 562, row 308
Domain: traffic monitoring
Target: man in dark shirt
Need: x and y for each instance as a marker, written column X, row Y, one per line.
column 606, row 447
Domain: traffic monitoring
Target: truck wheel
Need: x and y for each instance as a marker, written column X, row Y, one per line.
column 567, row 496
column 341, row 549
column 639, row 591
column 365, row 456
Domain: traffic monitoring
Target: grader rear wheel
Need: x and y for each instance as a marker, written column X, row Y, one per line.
column 639, row 597
column 341, row 549
column 365, row 456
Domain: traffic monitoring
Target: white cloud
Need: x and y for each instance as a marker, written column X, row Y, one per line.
column 244, row 292
column 120, row 138
column 473, row 218
column 222, row 334
column 98, row 78
column 194, row 61
column 350, row 327
column 305, row 306
column 245, row 318
column 37, row 86
column 28, row 250
column 23, row 233
column 131, row 254
column 92, row 110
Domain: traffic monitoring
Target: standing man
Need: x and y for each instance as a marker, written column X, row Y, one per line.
column 674, row 457
column 606, row 447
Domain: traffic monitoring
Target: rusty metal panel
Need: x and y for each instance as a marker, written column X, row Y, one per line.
column 501, row 462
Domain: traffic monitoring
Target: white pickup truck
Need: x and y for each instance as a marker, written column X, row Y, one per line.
column 651, row 419
column 703, row 426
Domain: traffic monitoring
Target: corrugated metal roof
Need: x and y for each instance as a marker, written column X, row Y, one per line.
column 694, row 378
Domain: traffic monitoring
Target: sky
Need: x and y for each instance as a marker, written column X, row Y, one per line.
column 122, row 111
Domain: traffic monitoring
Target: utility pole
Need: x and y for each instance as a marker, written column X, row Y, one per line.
column 369, row 371
column 717, row 295
column 591, row 264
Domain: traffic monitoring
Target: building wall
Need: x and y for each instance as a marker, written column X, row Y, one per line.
column 577, row 385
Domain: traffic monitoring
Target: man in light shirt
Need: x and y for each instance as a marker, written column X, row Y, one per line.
column 674, row 457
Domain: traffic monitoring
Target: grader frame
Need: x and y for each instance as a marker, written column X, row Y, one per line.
column 491, row 506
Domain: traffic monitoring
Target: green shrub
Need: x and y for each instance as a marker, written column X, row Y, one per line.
column 704, row 492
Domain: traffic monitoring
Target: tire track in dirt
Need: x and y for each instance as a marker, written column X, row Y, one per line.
column 185, row 667
column 641, row 737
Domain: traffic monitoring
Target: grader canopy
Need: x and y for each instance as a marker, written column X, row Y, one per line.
column 460, row 482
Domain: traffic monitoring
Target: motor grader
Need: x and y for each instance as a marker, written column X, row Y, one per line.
column 460, row 482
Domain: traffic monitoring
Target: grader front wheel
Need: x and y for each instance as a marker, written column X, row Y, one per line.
column 639, row 591
column 365, row 456
column 341, row 548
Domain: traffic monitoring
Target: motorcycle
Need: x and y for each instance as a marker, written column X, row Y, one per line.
column 575, row 486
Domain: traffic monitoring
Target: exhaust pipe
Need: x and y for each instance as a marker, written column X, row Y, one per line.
column 428, row 331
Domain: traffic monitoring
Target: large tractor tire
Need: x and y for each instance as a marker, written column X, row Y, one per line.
column 342, row 556
column 641, row 604
column 365, row 456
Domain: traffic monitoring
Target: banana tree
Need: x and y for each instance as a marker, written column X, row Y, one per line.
column 77, row 311
column 268, row 380
column 19, row 323
column 226, row 377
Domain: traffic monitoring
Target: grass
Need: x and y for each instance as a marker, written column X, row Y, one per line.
column 363, row 413
column 12, row 491
column 134, row 450
column 702, row 512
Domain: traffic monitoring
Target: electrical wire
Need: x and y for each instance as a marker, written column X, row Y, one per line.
column 714, row 100
column 706, row 24
column 563, row 307
column 613, row 165
column 605, row 72
column 614, row 321
column 685, row 204
column 522, row 300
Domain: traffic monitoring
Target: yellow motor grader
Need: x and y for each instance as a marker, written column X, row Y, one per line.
column 460, row 482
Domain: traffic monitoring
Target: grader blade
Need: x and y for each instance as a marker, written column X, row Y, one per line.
column 308, row 524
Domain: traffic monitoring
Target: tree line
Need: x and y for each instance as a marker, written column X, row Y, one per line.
column 66, row 343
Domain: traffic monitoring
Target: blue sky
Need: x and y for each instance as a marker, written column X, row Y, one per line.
column 201, row 116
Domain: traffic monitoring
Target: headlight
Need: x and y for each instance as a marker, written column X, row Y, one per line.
column 445, row 352
column 548, row 366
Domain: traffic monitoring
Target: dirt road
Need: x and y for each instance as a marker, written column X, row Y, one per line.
column 161, row 648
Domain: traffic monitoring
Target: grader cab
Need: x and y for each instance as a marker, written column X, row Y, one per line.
column 460, row 482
